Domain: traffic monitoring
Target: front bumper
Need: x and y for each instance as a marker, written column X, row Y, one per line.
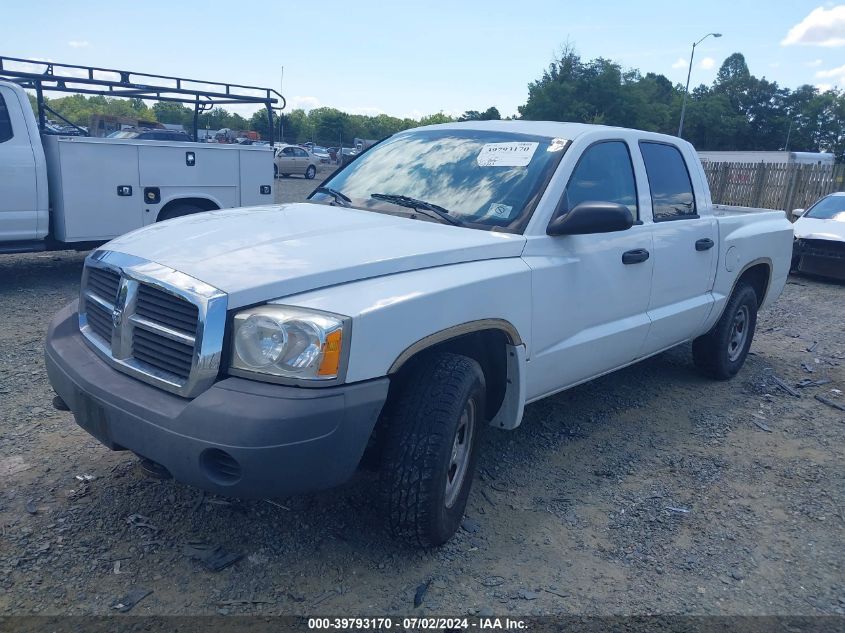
column 819, row 257
column 239, row 438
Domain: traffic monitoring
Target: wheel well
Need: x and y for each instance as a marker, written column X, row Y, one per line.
column 757, row 276
column 486, row 347
column 203, row 203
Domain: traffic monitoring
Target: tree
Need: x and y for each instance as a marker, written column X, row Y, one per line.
column 490, row 114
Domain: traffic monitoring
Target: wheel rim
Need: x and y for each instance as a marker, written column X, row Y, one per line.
column 461, row 448
column 310, row 173
column 739, row 333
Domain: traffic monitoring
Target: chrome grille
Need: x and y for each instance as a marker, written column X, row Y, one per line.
column 99, row 319
column 104, row 283
column 167, row 309
column 152, row 322
column 162, row 353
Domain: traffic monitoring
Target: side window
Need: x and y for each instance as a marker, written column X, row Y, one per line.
column 604, row 173
column 288, row 151
column 301, row 153
column 672, row 196
column 5, row 122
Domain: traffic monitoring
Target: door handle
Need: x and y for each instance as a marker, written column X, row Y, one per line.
column 636, row 256
column 704, row 244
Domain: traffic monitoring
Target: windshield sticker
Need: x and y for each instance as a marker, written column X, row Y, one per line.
column 514, row 154
column 497, row 212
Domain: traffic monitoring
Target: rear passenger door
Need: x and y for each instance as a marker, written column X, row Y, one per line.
column 303, row 159
column 683, row 249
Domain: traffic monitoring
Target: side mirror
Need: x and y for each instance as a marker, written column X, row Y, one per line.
column 592, row 217
column 797, row 213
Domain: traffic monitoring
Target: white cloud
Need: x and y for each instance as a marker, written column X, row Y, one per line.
column 299, row 102
column 836, row 74
column 814, row 64
column 78, row 43
column 707, row 63
column 822, row 27
column 823, row 87
column 681, row 63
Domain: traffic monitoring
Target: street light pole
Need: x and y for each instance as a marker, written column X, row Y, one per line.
column 689, row 72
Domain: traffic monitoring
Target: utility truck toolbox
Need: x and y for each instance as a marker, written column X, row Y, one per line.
column 433, row 287
column 74, row 192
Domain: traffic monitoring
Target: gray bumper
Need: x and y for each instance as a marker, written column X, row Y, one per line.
column 239, row 438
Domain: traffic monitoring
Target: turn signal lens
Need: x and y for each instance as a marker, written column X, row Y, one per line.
column 331, row 354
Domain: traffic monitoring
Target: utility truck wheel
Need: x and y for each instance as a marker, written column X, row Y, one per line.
column 721, row 352
column 310, row 172
column 178, row 211
column 430, row 448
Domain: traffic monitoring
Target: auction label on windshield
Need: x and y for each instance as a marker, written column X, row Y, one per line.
column 513, row 154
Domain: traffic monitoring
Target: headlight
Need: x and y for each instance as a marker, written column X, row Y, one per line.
column 288, row 342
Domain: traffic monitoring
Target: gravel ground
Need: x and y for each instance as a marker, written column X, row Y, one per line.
column 651, row 490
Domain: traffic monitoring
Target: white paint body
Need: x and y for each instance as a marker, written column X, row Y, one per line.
column 820, row 228
column 66, row 186
column 578, row 310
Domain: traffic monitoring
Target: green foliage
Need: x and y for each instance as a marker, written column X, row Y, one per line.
column 738, row 112
column 490, row 114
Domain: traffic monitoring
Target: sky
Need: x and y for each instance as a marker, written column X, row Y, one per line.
column 412, row 58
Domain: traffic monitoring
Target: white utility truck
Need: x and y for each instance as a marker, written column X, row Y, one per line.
column 440, row 282
column 75, row 192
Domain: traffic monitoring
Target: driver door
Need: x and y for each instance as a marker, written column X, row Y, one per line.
column 590, row 309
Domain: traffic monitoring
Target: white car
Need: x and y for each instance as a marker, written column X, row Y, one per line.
column 448, row 277
column 820, row 237
column 293, row 159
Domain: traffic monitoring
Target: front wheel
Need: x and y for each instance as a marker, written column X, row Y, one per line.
column 722, row 351
column 433, row 425
column 310, row 172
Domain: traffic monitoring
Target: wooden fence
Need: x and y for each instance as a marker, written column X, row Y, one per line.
column 772, row 185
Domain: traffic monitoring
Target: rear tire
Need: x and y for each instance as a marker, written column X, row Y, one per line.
column 430, row 448
column 310, row 172
column 721, row 352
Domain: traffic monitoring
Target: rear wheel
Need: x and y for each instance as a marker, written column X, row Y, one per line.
column 433, row 425
column 179, row 211
column 722, row 351
column 310, row 172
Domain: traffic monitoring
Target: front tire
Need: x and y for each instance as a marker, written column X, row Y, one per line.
column 722, row 351
column 430, row 448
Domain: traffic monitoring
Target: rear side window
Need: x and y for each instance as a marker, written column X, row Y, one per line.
column 672, row 196
column 300, row 153
column 5, row 121
column 604, row 173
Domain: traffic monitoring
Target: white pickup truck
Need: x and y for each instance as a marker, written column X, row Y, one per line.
column 64, row 192
column 440, row 282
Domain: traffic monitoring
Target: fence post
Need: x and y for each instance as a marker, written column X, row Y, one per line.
column 759, row 179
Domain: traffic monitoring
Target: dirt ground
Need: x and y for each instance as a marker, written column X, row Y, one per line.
column 651, row 490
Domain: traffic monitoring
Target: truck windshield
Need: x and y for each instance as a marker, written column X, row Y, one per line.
column 830, row 208
column 483, row 179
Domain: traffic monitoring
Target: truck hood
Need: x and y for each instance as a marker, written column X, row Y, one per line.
column 819, row 229
column 257, row 254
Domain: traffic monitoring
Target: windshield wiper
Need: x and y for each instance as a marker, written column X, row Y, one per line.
column 339, row 198
column 417, row 205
